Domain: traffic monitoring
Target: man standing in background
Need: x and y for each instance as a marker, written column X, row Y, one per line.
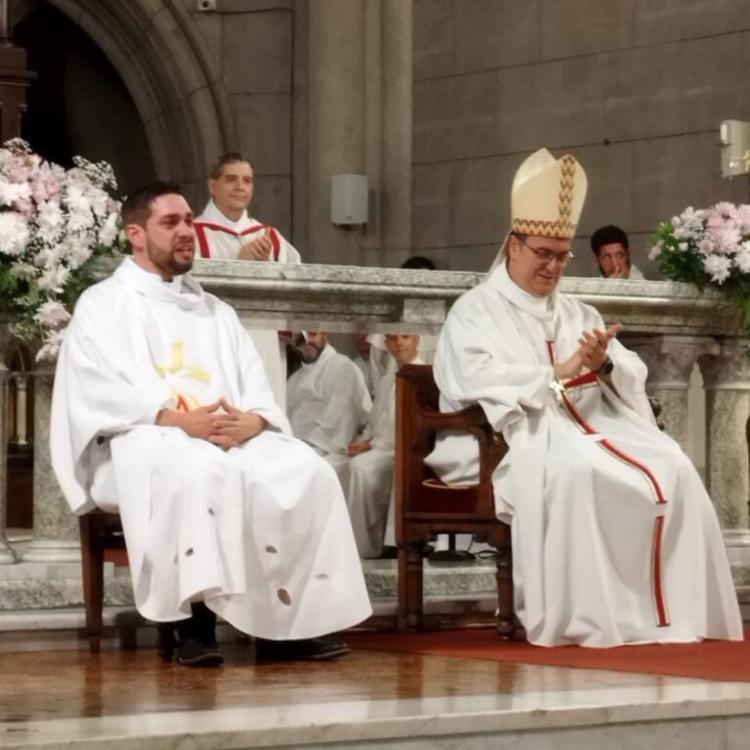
column 224, row 231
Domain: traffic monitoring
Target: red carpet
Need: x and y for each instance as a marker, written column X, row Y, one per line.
column 710, row 660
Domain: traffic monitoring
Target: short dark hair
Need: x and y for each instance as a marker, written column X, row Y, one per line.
column 137, row 206
column 418, row 261
column 608, row 235
column 230, row 157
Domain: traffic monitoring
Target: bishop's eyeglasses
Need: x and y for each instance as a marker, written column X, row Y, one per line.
column 545, row 256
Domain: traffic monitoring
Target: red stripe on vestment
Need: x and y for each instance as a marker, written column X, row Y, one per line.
column 659, row 600
column 276, row 243
column 182, row 405
column 576, row 416
column 200, row 233
column 589, row 377
column 551, row 351
column 661, row 500
column 201, row 226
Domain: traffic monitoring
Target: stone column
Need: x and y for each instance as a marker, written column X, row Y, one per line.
column 670, row 361
column 6, row 553
column 336, row 118
column 56, row 535
column 21, row 437
column 726, row 378
column 360, row 120
column 397, row 95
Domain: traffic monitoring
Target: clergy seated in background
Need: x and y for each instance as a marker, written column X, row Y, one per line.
column 615, row 540
column 224, row 231
column 162, row 412
column 327, row 398
column 381, row 362
column 368, row 479
column 611, row 250
column 362, row 358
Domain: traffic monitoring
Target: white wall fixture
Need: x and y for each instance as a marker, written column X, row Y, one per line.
column 348, row 199
column 735, row 147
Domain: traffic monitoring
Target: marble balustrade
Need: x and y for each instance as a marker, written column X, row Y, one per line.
column 670, row 325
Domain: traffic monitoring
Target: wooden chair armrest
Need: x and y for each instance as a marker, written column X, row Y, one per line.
column 471, row 416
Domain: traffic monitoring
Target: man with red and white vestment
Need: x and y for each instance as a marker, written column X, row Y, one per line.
column 615, row 540
column 225, row 231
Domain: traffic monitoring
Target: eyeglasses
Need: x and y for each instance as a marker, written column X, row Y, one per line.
column 545, row 256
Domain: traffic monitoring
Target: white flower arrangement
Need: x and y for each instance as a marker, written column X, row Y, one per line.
column 53, row 224
column 709, row 247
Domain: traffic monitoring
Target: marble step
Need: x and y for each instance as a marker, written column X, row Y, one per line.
column 27, row 586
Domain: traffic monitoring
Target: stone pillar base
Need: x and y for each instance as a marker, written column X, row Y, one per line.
column 7, row 555
column 53, row 550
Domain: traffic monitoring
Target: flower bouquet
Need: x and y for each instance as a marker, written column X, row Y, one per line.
column 709, row 247
column 53, row 224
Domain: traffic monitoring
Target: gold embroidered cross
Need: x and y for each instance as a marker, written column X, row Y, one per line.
column 178, row 367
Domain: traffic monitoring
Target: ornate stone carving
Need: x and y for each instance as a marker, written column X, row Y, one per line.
column 669, row 359
column 727, row 367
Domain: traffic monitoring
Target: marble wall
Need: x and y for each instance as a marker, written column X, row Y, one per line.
column 437, row 102
column 635, row 89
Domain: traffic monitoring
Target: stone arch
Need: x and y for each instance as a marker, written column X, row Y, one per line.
column 158, row 51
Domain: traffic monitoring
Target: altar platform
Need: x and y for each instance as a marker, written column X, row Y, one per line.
column 129, row 700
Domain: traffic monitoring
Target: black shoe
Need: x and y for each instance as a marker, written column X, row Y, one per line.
column 388, row 553
column 307, row 649
column 196, row 638
column 167, row 642
column 193, row 653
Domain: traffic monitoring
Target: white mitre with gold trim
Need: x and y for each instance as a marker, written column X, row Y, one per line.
column 547, row 198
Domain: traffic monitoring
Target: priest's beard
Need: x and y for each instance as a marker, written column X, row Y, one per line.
column 310, row 353
column 171, row 261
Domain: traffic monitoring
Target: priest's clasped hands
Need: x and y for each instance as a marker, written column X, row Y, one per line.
column 219, row 423
column 257, row 249
column 591, row 353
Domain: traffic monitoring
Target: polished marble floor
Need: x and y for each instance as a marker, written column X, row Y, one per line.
column 70, row 699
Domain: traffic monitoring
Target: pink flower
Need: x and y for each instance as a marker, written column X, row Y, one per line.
column 707, row 246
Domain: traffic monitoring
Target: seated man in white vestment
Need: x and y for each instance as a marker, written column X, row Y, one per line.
column 327, row 398
column 162, row 412
column 381, row 363
column 224, row 231
column 362, row 358
column 368, row 480
column 615, row 540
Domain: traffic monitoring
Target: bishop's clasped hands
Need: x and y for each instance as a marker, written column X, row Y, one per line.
column 591, row 354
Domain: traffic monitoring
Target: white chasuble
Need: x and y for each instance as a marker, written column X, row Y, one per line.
column 615, row 540
column 261, row 531
column 219, row 238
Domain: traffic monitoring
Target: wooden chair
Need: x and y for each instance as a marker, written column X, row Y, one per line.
column 426, row 507
column 100, row 531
